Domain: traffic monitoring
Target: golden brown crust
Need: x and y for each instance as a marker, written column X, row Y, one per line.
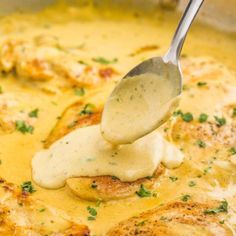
column 72, row 119
column 106, row 188
column 174, row 219
column 21, row 215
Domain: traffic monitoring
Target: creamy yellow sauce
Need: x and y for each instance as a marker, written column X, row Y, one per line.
column 137, row 106
column 84, row 152
column 103, row 33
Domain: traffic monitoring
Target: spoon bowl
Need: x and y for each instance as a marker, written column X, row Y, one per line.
column 130, row 108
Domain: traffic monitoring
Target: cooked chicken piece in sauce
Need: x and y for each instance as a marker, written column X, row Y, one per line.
column 21, row 215
column 44, row 60
column 176, row 219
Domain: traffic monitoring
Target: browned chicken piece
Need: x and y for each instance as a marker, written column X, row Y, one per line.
column 79, row 114
column 106, row 188
column 43, row 60
column 103, row 188
column 21, row 215
column 208, row 132
column 176, row 219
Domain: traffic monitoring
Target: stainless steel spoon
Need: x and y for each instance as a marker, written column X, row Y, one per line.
column 146, row 96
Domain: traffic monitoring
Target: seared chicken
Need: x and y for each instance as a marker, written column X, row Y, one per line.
column 176, row 219
column 21, row 215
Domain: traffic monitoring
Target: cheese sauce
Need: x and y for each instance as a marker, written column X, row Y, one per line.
column 137, row 105
column 84, row 152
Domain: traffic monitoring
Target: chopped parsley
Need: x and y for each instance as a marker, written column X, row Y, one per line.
column 177, row 113
column 232, row 151
column 143, row 192
column 27, row 187
column 173, row 178
column 87, row 110
column 93, row 185
column 185, row 197
column 192, row 184
column 79, row 92
column 22, row 127
column 42, row 210
column 206, row 170
column 201, row 143
column 104, row 61
column 34, row 113
column 203, row 117
column 141, row 223
column 220, row 121
column 234, row 112
column 223, row 207
column 200, row 84
column 163, row 218
column 92, row 212
column 187, row 117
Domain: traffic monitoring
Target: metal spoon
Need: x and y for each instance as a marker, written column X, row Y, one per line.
column 146, row 96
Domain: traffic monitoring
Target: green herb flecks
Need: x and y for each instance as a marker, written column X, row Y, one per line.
column 92, row 212
column 201, row 84
column 22, row 127
column 223, row 207
column 203, row 117
column 201, row 143
column 34, row 113
column 104, row 61
column 185, row 197
column 187, row 117
column 191, row 184
column 87, row 110
column 220, row 121
column 143, row 192
column 27, row 187
column 173, row 178
column 232, row 151
column 79, row 92
column 234, row 112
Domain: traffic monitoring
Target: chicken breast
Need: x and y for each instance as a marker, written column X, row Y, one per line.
column 21, row 215
column 177, row 219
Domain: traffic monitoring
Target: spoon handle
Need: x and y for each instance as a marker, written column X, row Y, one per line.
column 190, row 12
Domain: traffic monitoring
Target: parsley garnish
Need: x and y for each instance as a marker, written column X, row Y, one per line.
column 104, row 61
column 173, row 178
column 34, row 113
column 200, row 84
column 203, row 118
column 187, row 117
column 42, row 210
column 206, row 170
column 93, row 185
column 201, row 143
column 79, row 92
column 177, row 113
column 192, row 184
column 234, row 112
column 23, row 127
column 92, row 212
column 220, row 121
column 232, row 151
column 27, row 187
column 223, row 207
column 143, row 192
column 185, row 197
column 87, row 110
